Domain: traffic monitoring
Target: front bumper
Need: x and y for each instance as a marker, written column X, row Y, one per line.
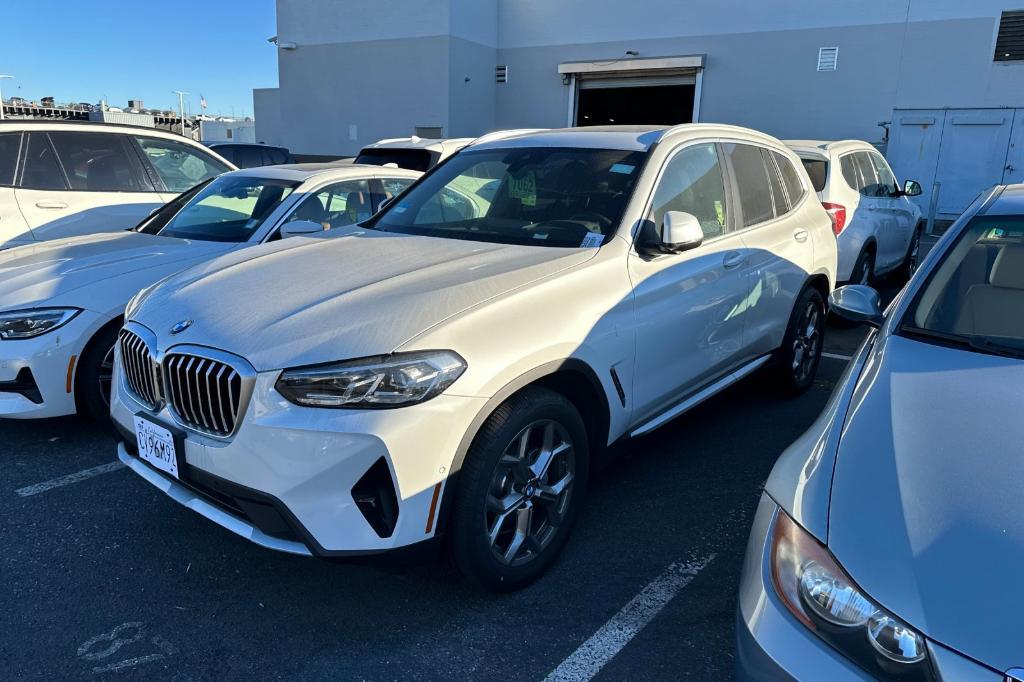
column 773, row 645
column 300, row 466
column 45, row 365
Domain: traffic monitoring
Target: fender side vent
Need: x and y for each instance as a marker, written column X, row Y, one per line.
column 618, row 387
column 376, row 498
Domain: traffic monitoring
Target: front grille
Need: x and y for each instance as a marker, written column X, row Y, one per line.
column 205, row 394
column 139, row 369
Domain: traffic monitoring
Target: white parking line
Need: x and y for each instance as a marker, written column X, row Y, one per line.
column 69, row 479
column 837, row 356
column 608, row 641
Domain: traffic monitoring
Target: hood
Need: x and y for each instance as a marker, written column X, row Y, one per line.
column 927, row 508
column 39, row 274
column 304, row 301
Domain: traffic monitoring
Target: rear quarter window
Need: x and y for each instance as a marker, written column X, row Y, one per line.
column 10, row 144
column 752, row 183
column 817, row 171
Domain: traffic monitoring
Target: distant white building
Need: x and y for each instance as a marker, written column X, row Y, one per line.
column 226, row 130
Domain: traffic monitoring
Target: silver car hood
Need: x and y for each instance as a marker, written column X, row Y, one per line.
column 927, row 508
column 305, row 301
column 41, row 274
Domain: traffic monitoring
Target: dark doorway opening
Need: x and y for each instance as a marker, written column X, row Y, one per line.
column 641, row 105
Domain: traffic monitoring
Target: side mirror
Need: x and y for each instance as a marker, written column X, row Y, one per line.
column 297, row 228
column 857, row 303
column 912, row 188
column 680, row 232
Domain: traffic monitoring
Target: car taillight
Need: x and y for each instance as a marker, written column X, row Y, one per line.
column 837, row 213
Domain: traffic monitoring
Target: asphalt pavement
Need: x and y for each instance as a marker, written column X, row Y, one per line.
column 103, row 577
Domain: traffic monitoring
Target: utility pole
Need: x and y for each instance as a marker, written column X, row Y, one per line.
column 2, row 99
column 181, row 108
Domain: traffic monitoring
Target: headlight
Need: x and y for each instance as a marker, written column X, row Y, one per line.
column 26, row 324
column 379, row 382
column 823, row 597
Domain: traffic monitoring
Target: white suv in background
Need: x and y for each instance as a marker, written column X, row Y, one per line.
column 413, row 153
column 450, row 368
column 63, row 179
column 877, row 226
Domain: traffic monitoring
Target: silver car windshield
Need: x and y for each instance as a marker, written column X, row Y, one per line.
column 974, row 298
column 541, row 196
column 230, row 209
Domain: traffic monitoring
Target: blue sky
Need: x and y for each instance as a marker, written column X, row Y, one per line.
column 83, row 50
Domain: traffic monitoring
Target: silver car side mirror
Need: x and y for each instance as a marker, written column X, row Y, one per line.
column 857, row 303
column 680, row 232
column 297, row 228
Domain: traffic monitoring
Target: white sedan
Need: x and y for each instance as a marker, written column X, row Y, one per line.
column 62, row 302
column 876, row 225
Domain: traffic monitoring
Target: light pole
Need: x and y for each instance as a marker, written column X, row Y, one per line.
column 2, row 99
column 181, row 107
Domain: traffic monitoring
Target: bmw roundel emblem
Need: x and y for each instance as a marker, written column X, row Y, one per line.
column 181, row 326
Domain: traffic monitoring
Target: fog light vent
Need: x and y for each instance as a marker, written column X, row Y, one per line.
column 376, row 498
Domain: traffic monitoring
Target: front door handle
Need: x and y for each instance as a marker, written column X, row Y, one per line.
column 733, row 259
column 51, row 204
column 800, row 236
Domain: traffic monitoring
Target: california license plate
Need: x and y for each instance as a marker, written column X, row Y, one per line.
column 156, row 446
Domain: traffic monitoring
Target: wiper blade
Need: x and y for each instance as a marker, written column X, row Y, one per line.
column 980, row 344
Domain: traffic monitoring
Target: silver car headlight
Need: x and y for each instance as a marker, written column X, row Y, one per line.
column 27, row 324
column 819, row 593
column 383, row 381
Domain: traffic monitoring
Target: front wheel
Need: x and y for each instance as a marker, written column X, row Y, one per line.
column 800, row 353
column 520, row 490
column 93, row 376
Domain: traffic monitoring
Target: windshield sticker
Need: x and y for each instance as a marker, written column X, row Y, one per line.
column 401, row 208
column 524, row 189
column 998, row 232
column 719, row 212
column 593, row 240
column 540, row 236
column 623, row 168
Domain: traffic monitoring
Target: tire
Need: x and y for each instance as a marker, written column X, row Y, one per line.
column 913, row 257
column 482, row 531
column 864, row 269
column 798, row 358
column 92, row 376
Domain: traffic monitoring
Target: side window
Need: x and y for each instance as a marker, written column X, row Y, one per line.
column 10, row 145
column 781, row 201
column 871, row 186
column 337, row 205
column 41, row 168
column 886, row 180
column 849, row 166
column 277, row 156
column 751, row 183
column 179, row 165
column 817, row 171
column 228, row 152
column 791, row 178
column 391, row 187
column 693, row 182
column 249, row 157
column 99, row 162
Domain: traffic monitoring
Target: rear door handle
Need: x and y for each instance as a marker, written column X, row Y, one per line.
column 51, row 204
column 800, row 236
column 733, row 259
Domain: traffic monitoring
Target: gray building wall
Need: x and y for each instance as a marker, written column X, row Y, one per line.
column 266, row 106
column 387, row 66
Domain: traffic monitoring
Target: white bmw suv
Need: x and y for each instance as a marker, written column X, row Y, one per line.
column 451, row 367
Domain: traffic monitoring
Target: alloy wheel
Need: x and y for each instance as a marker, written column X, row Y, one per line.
column 528, row 497
column 105, row 375
column 806, row 342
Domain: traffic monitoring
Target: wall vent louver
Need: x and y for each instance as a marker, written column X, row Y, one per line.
column 828, row 58
column 1010, row 40
column 501, row 73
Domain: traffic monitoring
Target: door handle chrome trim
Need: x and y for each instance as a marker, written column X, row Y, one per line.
column 51, row 204
column 800, row 236
column 733, row 259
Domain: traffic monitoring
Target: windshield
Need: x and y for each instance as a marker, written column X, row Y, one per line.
column 542, row 196
column 411, row 159
column 230, row 209
column 975, row 297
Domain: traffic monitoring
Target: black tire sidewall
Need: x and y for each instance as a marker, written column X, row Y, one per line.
column 790, row 384
column 88, row 400
column 467, row 532
column 865, row 258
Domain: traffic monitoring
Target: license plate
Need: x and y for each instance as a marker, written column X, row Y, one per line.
column 156, row 446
